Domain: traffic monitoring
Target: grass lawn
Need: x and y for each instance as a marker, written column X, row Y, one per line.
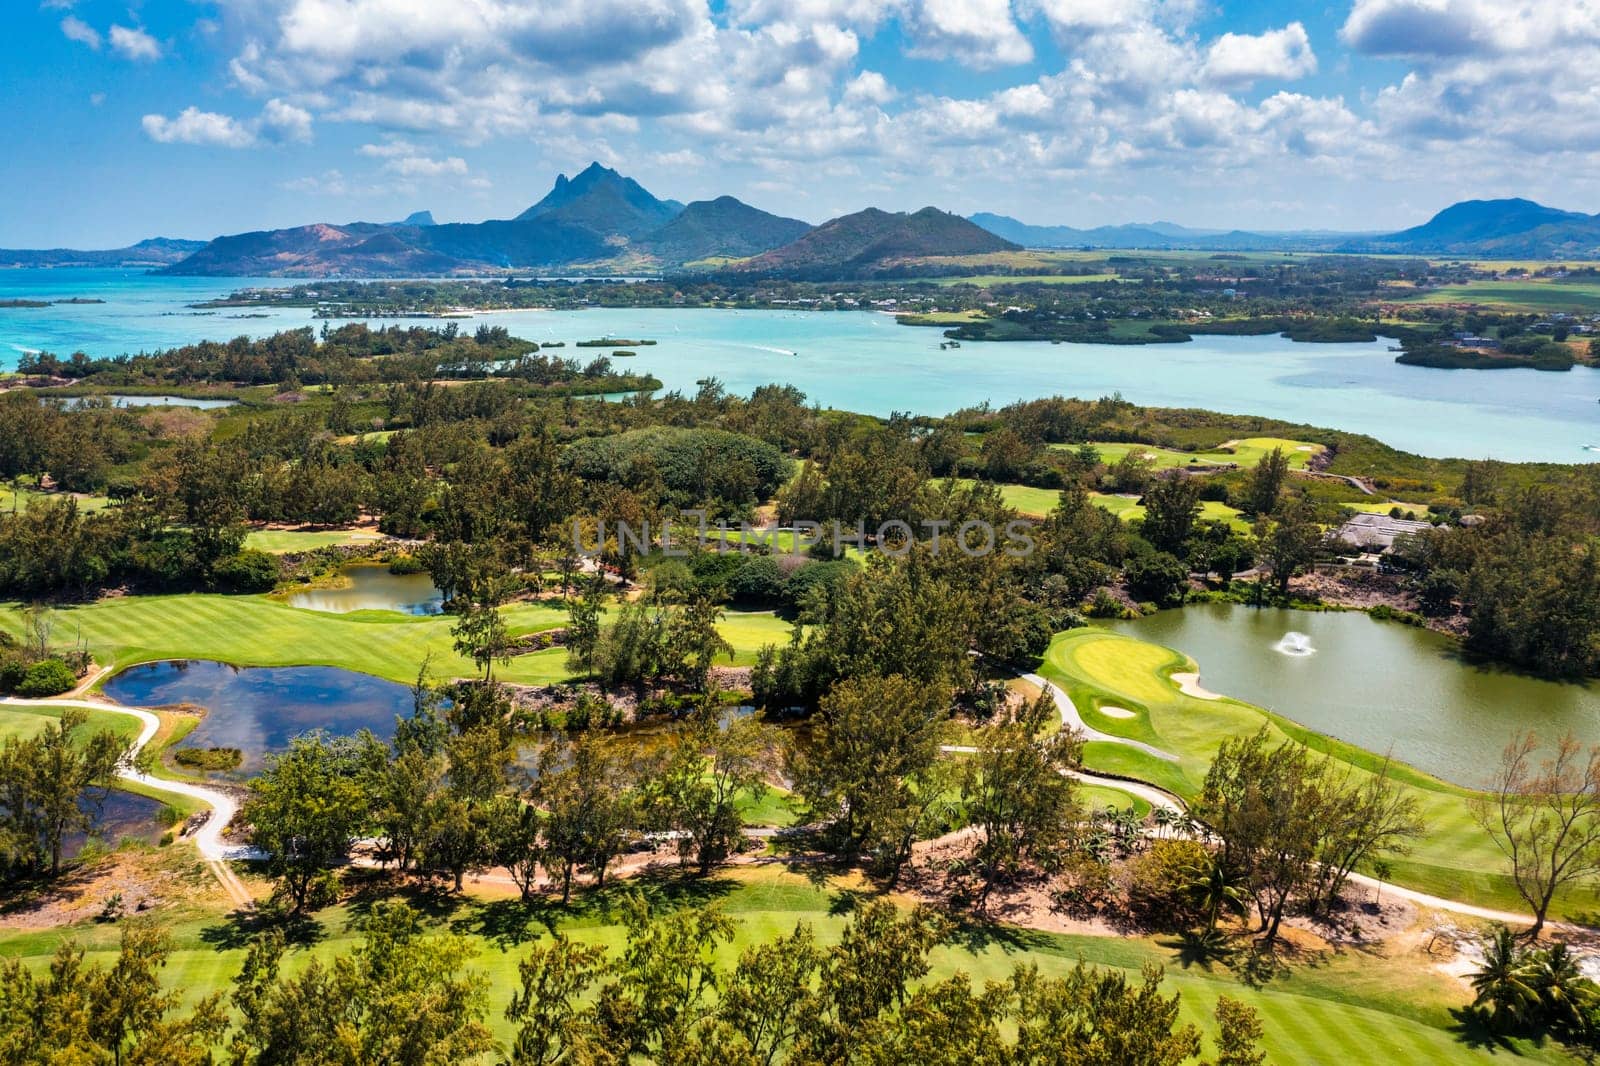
column 1455, row 859
column 279, row 541
column 1349, row 1007
column 257, row 631
column 20, row 499
column 23, row 722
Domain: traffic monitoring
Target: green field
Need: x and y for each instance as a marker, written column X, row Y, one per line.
column 258, row 631
column 1535, row 295
column 988, row 280
column 1349, row 1007
column 1455, row 859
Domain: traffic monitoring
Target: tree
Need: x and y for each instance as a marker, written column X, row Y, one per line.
column 1287, row 542
column 52, row 786
column 1158, row 577
column 480, row 634
column 73, row 1013
column 1546, row 820
column 1370, row 820
column 693, row 642
column 1172, row 507
column 1504, row 983
column 1267, row 806
column 710, row 769
column 588, row 802
column 1018, row 794
column 583, row 624
column 402, row 997
column 554, row 1025
column 873, row 739
column 304, row 811
column 1266, row 483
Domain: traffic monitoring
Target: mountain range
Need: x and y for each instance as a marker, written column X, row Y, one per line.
column 603, row 222
column 157, row 251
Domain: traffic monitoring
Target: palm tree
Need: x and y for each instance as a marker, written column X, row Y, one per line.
column 1504, row 984
column 1565, row 995
column 1217, row 888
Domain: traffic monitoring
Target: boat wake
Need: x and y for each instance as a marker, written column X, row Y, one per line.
column 774, row 351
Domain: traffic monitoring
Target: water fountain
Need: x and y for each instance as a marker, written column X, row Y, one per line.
column 1295, row 644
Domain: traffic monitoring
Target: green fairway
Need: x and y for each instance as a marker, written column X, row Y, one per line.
column 279, row 541
column 1455, row 859
column 1129, row 509
column 1246, row 453
column 258, row 631
column 1351, row 1007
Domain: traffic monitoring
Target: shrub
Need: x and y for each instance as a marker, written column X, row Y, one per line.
column 759, row 581
column 1160, row 577
column 47, row 677
column 208, row 758
column 247, row 571
column 12, row 672
column 1160, row 884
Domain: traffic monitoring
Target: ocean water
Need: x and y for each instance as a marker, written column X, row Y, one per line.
column 865, row 361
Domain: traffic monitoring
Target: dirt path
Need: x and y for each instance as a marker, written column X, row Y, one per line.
column 208, row 838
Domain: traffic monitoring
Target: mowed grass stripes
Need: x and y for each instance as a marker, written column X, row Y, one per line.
column 258, row 631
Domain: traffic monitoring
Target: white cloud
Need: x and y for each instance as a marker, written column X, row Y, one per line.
column 75, row 29
column 975, row 33
column 869, row 87
column 278, row 123
column 282, row 121
column 134, row 43
column 1240, row 59
column 194, row 126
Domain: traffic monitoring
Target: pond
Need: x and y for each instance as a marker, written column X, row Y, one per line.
column 259, row 709
column 1386, row 687
column 123, row 816
column 371, row 587
column 121, row 400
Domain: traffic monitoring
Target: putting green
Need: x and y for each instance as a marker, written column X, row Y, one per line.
column 1455, row 858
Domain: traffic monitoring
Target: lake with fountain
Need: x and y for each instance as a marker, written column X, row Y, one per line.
column 1386, row 687
column 260, row 709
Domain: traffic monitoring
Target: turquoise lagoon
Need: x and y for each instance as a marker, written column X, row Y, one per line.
column 865, row 361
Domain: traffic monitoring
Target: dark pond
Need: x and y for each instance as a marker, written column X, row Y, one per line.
column 259, row 709
column 123, row 816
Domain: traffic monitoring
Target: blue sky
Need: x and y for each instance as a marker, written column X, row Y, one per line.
column 128, row 119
